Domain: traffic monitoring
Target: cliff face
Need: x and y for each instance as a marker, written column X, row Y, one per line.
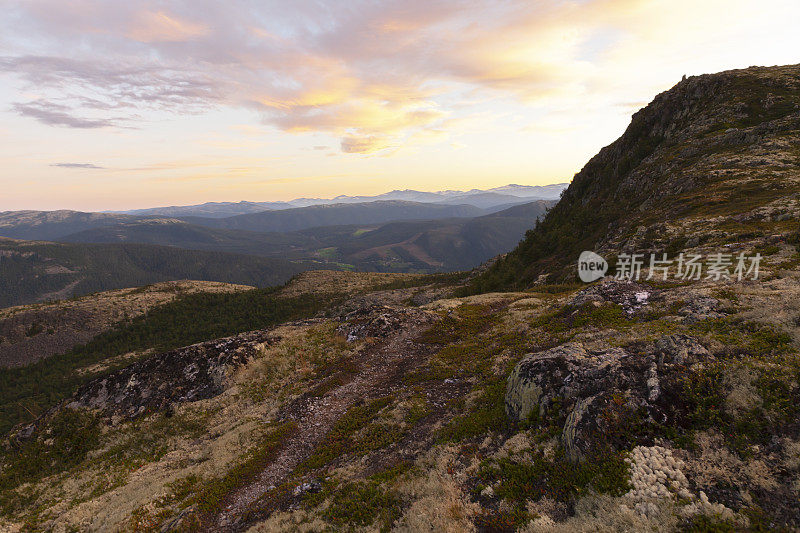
column 699, row 164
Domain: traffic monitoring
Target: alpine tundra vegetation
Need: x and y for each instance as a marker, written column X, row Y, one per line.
column 510, row 398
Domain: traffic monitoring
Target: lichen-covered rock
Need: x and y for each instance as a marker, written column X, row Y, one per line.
column 188, row 374
column 630, row 295
column 538, row 374
column 599, row 391
column 699, row 307
column 378, row 321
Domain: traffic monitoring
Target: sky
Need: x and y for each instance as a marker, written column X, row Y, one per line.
column 129, row 104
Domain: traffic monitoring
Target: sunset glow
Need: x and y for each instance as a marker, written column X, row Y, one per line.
column 119, row 105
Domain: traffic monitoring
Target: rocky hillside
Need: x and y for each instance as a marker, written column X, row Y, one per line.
column 712, row 161
column 364, row 402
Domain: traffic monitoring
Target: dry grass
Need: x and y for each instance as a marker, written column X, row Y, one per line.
column 439, row 502
column 232, row 423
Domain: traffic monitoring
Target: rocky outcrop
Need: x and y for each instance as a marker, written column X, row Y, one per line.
column 631, row 296
column 596, row 390
column 188, row 374
column 379, row 321
column 711, row 150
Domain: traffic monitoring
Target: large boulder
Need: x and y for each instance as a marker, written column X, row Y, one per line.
column 598, row 391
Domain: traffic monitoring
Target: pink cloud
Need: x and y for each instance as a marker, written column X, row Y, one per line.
column 372, row 74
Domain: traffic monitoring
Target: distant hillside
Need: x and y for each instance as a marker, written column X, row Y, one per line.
column 404, row 246
column 484, row 200
column 530, row 210
column 49, row 225
column 37, row 271
column 210, row 209
column 439, row 245
column 712, row 161
column 172, row 232
column 337, row 214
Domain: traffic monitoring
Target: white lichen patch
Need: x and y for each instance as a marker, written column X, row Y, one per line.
column 657, row 475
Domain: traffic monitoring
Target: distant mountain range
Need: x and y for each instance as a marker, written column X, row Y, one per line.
column 336, row 214
column 502, row 197
column 101, row 251
column 53, row 225
column 400, row 246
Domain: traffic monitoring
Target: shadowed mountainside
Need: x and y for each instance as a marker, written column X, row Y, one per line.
column 711, row 159
column 403, row 246
column 337, row 214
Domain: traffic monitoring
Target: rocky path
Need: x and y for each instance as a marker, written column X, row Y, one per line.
column 379, row 367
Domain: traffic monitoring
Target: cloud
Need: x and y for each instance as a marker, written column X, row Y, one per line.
column 78, row 165
column 116, row 84
column 363, row 145
column 56, row 115
column 370, row 73
column 158, row 26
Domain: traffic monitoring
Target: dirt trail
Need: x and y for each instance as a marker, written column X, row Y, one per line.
column 379, row 367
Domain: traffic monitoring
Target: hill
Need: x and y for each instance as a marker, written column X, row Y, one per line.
column 39, row 271
column 441, row 245
column 172, row 232
column 507, row 194
column 409, row 246
column 209, row 209
column 709, row 160
column 32, row 332
column 49, row 225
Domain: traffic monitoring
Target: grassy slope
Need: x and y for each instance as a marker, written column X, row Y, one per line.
column 32, row 389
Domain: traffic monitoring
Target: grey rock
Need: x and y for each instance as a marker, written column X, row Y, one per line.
column 378, row 321
column 700, row 308
column 631, row 296
column 184, row 375
column 591, row 387
column 538, row 373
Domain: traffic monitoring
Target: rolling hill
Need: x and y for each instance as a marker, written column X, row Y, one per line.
column 404, row 246
column 39, row 271
column 49, row 225
column 173, row 232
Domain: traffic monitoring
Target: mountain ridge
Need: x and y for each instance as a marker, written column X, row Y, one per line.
column 511, row 193
column 727, row 135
